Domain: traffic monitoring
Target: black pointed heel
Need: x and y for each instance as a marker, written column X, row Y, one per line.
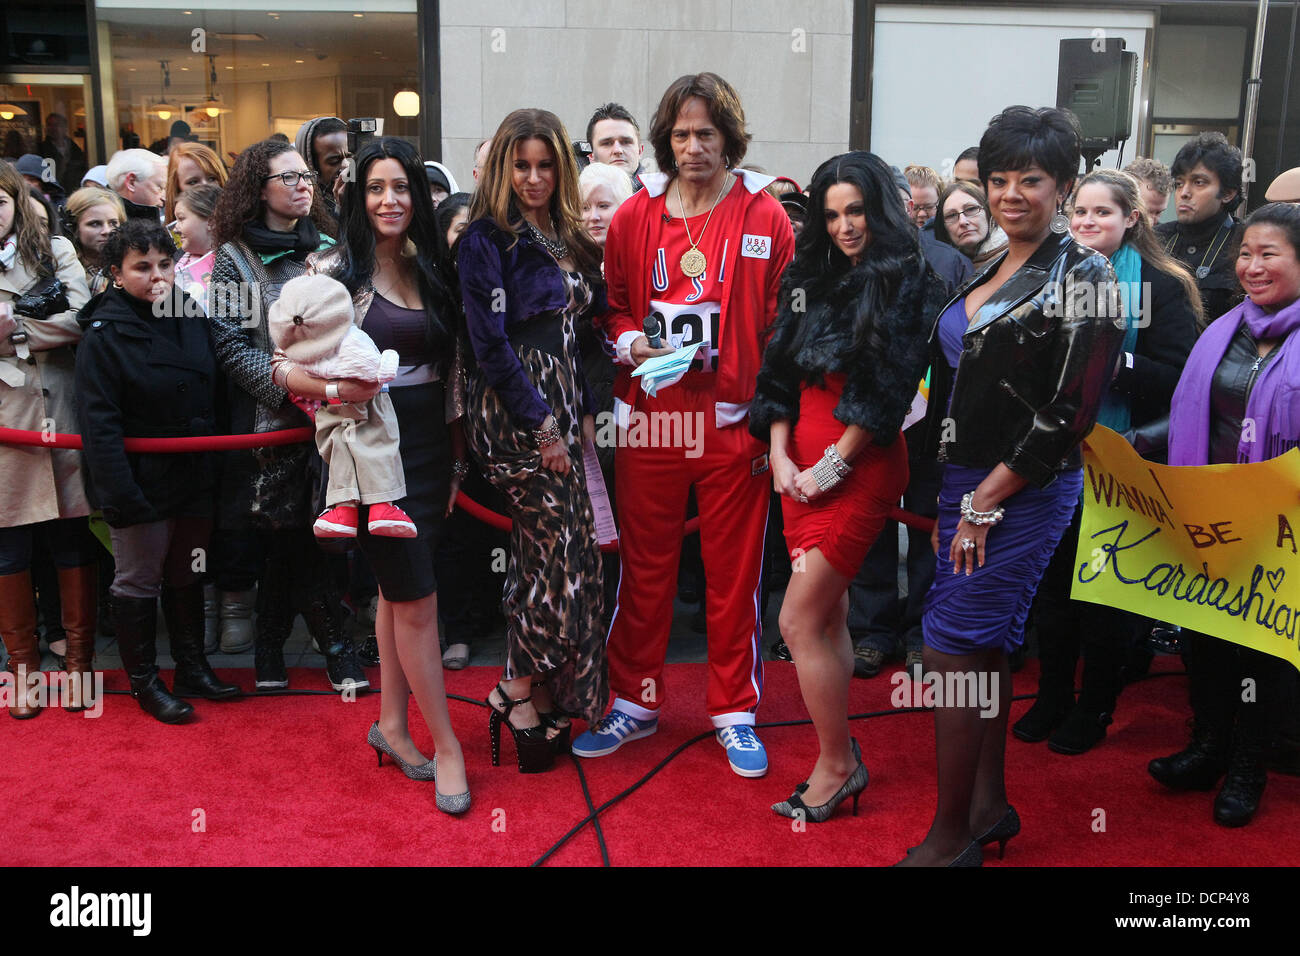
column 532, row 748
column 1002, row 831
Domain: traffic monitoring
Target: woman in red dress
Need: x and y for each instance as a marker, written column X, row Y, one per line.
column 839, row 374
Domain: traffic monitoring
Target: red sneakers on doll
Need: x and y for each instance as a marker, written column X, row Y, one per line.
column 337, row 522
column 390, row 521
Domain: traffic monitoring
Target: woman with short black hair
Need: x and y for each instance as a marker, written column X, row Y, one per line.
column 145, row 369
column 1028, row 385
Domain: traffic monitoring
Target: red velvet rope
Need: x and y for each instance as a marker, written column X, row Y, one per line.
column 290, row 436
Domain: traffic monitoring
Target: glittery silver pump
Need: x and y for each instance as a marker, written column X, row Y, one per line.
column 455, row 804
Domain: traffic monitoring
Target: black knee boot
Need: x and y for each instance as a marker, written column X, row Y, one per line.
column 136, row 622
column 183, row 612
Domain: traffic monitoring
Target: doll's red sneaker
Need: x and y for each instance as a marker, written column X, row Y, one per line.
column 337, row 522
column 390, row 521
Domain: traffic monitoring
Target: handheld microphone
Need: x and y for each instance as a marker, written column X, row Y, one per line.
column 652, row 331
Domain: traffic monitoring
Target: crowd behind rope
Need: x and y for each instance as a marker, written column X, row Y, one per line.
column 440, row 342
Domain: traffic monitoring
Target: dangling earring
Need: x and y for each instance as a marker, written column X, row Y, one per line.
column 1060, row 224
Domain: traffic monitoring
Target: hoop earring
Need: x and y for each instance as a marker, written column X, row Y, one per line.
column 1060, row 225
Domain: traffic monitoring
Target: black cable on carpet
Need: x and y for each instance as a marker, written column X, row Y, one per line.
column 593, row 811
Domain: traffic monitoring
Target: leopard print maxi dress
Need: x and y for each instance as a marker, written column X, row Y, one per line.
column 553, row 592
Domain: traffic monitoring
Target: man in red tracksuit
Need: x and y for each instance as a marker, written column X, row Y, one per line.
column 702, row 248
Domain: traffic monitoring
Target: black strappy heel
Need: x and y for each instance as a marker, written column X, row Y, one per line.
column 532, row 748
column 551, row 720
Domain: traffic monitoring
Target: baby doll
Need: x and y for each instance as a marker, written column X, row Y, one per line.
column 313, row 324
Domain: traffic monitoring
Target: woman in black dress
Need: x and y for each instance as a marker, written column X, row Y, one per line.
column 387, row 258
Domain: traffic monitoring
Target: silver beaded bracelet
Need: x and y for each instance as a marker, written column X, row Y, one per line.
column 460, row 467
column 832, row 454
column 825, row 475
column 971, row 516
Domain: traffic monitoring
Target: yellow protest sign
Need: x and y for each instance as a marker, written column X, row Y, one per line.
column 1212, row 548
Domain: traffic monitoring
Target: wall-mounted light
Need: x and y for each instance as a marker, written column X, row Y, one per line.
column 406, row 103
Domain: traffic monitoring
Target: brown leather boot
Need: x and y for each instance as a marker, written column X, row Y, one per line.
column 79, row 592
column 18, row 629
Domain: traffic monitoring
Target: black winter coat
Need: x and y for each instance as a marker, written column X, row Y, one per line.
column 134, row 380
column 881, row 377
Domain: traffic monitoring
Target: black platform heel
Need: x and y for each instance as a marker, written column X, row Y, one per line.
column 532, row 748
column 560, row 743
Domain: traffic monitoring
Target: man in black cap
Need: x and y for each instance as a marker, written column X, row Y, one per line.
column 39, row 172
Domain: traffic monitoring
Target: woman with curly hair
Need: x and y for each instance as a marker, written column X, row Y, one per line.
column 268, row 220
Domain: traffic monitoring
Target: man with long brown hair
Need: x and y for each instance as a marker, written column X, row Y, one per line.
column 701, row 249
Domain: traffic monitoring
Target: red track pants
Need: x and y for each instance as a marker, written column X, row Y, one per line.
column 732, row 492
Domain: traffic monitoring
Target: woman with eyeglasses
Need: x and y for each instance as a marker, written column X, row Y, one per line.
column 964, row 221
column 267, row 222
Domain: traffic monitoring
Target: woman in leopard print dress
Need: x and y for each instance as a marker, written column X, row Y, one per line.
column 528, row 273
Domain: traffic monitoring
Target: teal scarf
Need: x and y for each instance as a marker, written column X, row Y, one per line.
column 1115, row 412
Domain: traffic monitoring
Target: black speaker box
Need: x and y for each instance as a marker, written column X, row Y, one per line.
column 1096, row 79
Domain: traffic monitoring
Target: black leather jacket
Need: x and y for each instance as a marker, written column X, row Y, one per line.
column 1036, row 363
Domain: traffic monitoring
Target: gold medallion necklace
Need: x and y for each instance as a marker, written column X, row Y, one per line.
column 693, row 262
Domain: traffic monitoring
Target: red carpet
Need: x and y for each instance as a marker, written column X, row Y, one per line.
column 289, row 780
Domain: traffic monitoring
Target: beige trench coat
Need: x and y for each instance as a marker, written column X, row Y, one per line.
column 41, row 484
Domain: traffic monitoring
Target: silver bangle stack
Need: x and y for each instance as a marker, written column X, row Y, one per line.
column 546, row 437
column 831, row 469
column 971, row 516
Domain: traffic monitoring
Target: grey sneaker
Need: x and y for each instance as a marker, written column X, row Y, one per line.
column 867, row 661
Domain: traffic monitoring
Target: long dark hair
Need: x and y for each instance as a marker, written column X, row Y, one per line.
column 357, row 235
column 443, row 216
column 241, row 199
column 892, row 253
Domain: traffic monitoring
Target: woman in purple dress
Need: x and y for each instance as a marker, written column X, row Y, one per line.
column 1033, row 340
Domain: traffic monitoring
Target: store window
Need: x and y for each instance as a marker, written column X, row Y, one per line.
column 236, row 76
column 46, row 115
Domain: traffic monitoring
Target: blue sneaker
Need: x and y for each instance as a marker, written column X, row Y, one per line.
column 611, row 732
column 745, row 752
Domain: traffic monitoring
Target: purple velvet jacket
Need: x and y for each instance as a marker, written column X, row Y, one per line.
column 523, row 283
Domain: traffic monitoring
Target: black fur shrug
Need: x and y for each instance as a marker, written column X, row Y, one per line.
column 883, row 364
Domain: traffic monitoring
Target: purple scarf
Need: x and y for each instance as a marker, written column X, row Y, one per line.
column 1274, row 402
